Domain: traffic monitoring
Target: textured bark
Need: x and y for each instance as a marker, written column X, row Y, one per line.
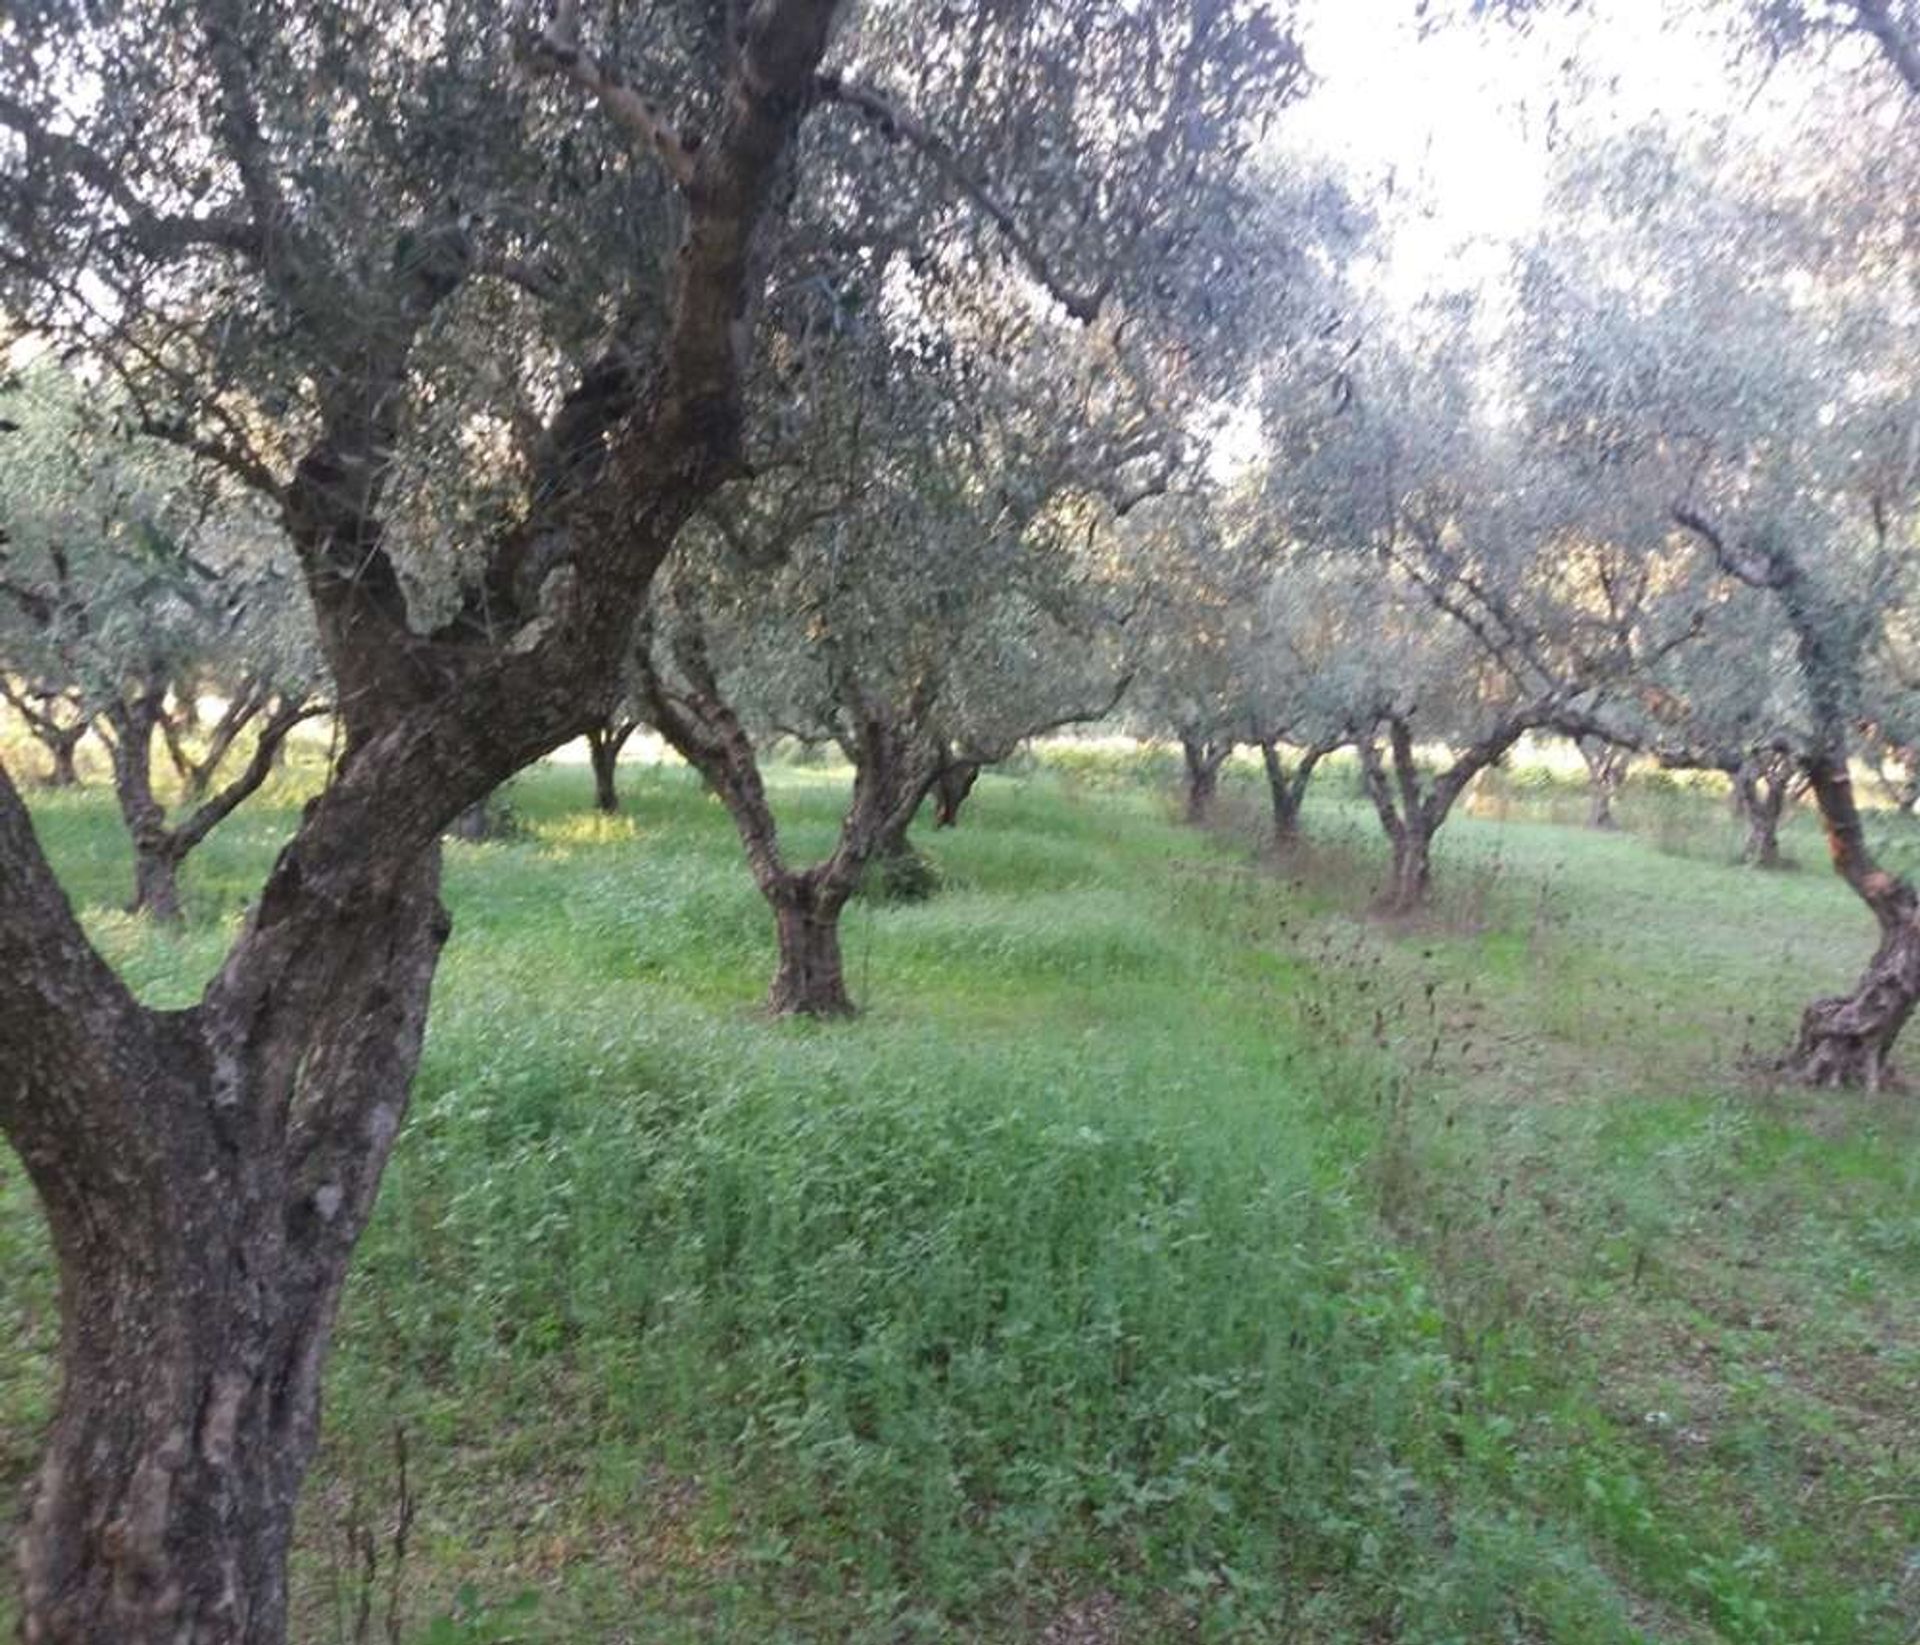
column 809, row 980
column 1849, row 1039
column 1203, row 757
column 1412, row 877
column 205, row 1173
column 194, row 1323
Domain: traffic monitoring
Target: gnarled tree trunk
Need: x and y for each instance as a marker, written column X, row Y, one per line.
column 1848, row 1039
column 202, row 1218
column 808, row 980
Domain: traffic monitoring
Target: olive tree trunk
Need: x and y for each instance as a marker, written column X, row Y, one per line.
column 893, row 765
column 1287, row 790
column 1413, row 806
column 1761, row 788
column 1606, row 774
column 1203, row 757
column 604, row 743
column 160, row 846
column 63, row 752
column 808, row 980
column 206, row 1172
column 952, row 784
column 1848, row 1039
column 202, row 1221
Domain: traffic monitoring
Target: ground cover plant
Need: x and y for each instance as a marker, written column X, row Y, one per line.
column 1163, row 1253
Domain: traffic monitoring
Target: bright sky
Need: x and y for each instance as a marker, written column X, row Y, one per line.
column 1463, row 118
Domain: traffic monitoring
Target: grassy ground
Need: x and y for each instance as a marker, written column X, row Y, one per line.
column 1169, row 1251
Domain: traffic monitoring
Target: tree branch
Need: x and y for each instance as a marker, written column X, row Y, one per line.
column 898, row 126
column 558, row 50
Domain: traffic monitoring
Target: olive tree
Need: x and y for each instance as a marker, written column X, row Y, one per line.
column 467, row 294
column 136, row 584
column 914, row 590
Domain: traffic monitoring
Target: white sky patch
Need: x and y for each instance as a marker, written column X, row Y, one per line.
column 1451, row 133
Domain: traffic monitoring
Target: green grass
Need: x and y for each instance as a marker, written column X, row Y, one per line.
column 1167, row 1251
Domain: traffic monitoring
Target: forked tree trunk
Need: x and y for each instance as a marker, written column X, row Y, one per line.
column 1606, row 773
column 64, row 752
column 1760, row 796
column 156, row 880
column 195, row 1316
column 206, row 1172
column 951, row 785
column 1412, row 874
column 1203, row 758
column 604, row 743
column 1287, row 791
column 809, row 980
column 1412, row 808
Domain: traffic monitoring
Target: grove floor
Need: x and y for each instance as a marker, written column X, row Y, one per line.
column 1170, row 1250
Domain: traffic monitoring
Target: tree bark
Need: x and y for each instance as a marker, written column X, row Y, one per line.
column 1412, row 878
column 809, row 980
column 893, row 768
column 206, row 1172
column 1203, row 756
column 1412, row 808
column 951, row 785
column 1848, row 1040
column 195, row 1315
column 156, row 881
column 134, row 717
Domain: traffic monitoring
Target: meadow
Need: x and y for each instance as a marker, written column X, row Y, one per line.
column 1168, row 1251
